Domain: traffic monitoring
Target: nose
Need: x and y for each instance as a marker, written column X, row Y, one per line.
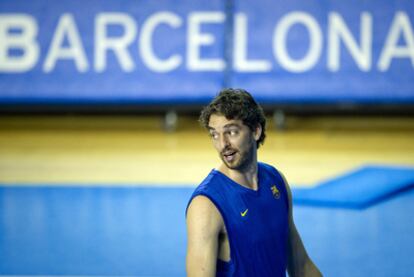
column 224, row 141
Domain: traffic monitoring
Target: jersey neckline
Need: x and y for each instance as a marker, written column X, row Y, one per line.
column 240, row 187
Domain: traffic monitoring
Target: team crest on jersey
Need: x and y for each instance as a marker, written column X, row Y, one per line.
column 275, row 192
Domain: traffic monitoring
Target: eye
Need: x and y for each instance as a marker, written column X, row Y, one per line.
column 214, row 135
column 233, row 133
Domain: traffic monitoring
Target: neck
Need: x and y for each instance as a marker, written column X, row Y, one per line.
column 247, row 177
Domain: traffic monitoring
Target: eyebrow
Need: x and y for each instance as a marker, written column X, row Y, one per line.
column 232, row 125
column 225, row 126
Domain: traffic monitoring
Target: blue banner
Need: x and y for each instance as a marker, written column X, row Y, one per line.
column 93, row 51
column 327, row 51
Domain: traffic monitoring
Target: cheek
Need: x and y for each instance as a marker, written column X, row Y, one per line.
column 216, row 145
column 245, row 143
column 240, row 143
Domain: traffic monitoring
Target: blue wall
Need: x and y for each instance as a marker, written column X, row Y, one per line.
column 74, row 51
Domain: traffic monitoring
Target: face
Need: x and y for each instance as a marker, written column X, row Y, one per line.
column 234, row 141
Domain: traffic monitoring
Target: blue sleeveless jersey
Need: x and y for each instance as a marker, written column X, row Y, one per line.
column 256, row 222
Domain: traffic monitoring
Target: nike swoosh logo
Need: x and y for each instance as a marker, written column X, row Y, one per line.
column 244, row 213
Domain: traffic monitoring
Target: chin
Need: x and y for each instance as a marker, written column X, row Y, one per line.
column 234, row 166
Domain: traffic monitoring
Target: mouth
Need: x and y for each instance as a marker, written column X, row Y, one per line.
column 229, row 156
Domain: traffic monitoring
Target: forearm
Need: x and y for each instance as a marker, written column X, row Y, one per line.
column 299, row 263
column 303, row 268
column 311, row 270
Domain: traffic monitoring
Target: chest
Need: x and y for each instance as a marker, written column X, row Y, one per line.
column 258, row 218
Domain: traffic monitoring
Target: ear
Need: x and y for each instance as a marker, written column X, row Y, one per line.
column 257, row 132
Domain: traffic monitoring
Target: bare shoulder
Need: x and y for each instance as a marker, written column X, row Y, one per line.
column 203, row 214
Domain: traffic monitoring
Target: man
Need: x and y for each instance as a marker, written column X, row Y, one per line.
column 239, row 219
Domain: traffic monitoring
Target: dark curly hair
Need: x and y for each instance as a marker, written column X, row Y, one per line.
column 236, row 104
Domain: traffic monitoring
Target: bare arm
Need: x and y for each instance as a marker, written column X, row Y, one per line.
column 204, row 223
column 299, row 263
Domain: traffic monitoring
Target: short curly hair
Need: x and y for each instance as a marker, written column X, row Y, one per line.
column 236, row 104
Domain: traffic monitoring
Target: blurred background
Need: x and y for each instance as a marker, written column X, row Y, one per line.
column 100, row 147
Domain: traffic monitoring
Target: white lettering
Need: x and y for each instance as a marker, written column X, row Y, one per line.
column 241, row 63
column 196, row 39
column 338, row 30
column 119, row 45
column 66, row 28
column 24, row 40
column 147, row 53
column 279, row 42
column 401, row 24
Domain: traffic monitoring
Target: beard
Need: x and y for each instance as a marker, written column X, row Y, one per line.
column 242, row 159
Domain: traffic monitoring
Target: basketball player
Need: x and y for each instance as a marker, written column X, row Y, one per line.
column 239, row 219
